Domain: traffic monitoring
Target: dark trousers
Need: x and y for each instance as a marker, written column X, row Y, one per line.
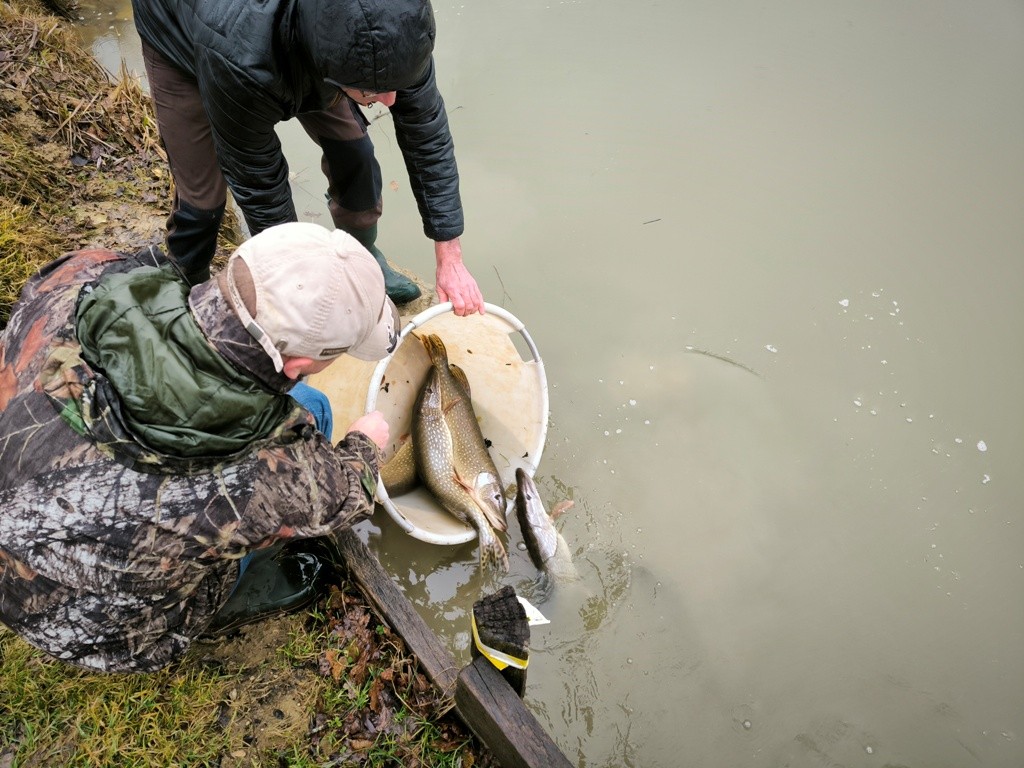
column 200, row 189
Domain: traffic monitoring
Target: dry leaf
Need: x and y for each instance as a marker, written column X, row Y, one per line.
column 375, row 688
column 337, row 667
column 357, row 674
column 421, row 684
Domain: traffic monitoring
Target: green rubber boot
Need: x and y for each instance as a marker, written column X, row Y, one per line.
column 400, row 289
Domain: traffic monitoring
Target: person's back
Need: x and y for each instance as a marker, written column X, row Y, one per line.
column 377, row 45
column 147, row 444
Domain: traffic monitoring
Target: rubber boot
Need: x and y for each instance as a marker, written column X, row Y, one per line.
column 278, row 581
column 192, row 239
column 400, row 289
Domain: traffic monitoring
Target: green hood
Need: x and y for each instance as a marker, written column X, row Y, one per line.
column 177, row 395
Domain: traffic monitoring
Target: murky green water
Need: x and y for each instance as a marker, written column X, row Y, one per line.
column 813, row 554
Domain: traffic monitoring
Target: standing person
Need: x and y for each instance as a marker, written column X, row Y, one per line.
column 223, row 73
column 150, row 448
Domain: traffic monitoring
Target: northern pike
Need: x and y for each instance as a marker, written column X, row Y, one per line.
column 548, row 549
column 398, row 474
column 451, row 456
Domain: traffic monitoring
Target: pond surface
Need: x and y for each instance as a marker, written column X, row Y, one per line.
column 772, row 257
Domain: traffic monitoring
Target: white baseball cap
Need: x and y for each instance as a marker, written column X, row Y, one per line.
column 319, row 294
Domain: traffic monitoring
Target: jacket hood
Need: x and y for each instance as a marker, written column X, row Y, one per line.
column 162, row 385
column 375, row 45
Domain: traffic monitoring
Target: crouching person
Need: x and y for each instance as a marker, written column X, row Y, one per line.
column 154, row 463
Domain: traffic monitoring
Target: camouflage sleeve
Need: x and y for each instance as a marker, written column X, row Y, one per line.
column 309, row 488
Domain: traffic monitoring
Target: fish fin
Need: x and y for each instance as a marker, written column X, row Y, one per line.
column 492, row 552
column 561, row 507
column 461, row 481
column 544, row 585
column 445, row 409
column 460, row 376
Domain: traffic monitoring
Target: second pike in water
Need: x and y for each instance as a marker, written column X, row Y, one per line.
column 548, row 549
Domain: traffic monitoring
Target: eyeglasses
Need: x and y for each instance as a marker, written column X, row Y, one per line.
column 351, row 88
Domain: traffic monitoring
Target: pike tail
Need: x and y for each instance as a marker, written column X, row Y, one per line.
column 436, row 349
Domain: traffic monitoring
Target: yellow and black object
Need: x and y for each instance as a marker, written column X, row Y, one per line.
column 501, row 634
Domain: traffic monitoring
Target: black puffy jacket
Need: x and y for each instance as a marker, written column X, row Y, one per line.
column 258, row 62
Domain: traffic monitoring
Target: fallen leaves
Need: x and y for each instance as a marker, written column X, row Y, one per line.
column 388, row 703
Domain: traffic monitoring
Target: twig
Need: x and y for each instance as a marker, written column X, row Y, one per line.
column 504, row 293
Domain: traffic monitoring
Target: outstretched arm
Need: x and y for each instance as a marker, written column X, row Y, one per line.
column 454, row 281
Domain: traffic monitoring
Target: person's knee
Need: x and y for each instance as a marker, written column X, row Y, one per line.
column 353, row 173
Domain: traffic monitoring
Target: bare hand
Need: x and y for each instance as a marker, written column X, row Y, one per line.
column 374, row 427
column 454, row 282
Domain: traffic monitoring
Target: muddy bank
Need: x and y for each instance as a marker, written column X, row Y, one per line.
column 80, row 163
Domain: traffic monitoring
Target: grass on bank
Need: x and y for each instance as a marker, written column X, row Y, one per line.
column 51, row 714
column 369, row 705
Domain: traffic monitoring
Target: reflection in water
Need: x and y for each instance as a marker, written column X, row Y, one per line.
column 108, row 26
column 817, row 565
column 443, row 582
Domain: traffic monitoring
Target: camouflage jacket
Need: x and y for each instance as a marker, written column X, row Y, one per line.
column 116, row 551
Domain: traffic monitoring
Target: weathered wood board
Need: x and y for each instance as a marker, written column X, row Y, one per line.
column 483, row 698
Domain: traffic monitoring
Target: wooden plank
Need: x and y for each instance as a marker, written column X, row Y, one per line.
column 499, row 718
column 393, row 606
column 483, row 698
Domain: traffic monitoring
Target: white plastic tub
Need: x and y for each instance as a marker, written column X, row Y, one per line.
column 508, row 390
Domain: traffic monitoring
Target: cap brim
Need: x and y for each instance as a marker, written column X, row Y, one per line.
column 383, row 339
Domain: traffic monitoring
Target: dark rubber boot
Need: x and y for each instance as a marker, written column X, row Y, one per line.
column 192, row 239
column 275, row 582
column 400, row 289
